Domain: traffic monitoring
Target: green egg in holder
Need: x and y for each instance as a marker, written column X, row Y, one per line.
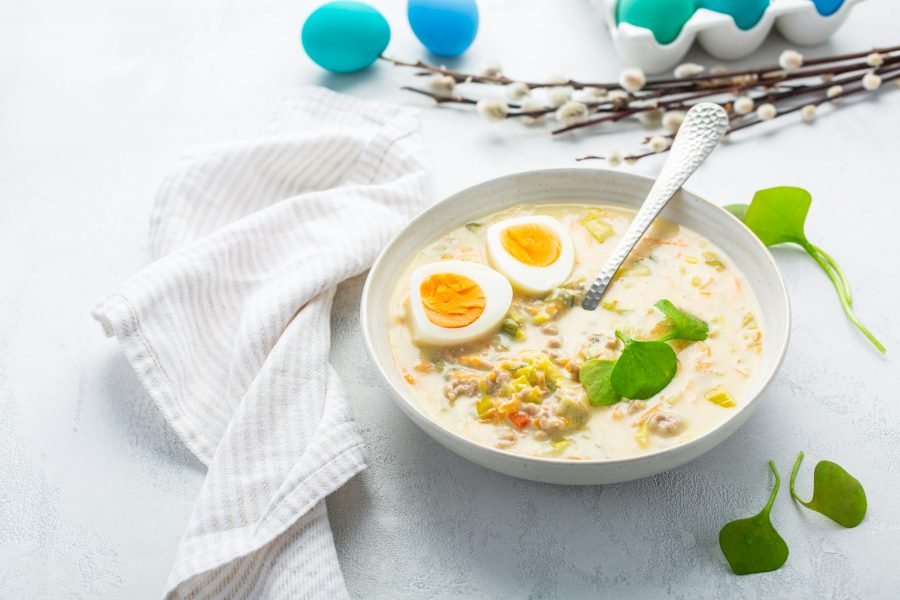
column 664, row 18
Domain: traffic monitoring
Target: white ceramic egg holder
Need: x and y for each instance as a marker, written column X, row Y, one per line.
column 797, row 20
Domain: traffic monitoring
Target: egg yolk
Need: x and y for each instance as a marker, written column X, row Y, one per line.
column 451, row 300
column 532, row 244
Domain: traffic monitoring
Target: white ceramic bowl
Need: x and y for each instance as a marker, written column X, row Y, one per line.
column 585, row 186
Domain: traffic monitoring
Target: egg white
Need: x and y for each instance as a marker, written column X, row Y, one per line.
column 497, row 299
column 530, row 279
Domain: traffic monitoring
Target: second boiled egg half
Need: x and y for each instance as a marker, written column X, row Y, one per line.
column 456, row 302
column 534, row 252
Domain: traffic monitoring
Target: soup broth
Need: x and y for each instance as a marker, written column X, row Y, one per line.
column 517, row 386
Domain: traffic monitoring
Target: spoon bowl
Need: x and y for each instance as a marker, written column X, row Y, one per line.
column 699, row 134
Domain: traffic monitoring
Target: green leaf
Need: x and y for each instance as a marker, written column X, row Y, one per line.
column 777, row 215
column 644, row 368
column 753, row 545
column 836, row 493
column 738, row 210
column 595, row 377
column 685, row 325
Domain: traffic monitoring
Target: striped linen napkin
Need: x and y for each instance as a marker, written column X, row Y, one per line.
column 229, row 331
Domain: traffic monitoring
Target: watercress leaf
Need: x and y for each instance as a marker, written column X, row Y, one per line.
column 685, row 325
column 643, row 369
column 738, row 210
column 595, row 377
column 753, row 545
column 777, row 215
column 836, row 493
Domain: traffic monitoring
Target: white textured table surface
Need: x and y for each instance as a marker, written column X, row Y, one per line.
column 100, row 96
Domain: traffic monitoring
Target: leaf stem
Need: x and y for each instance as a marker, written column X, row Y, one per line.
column 794, row 477
column 768, row 507
column 838, row 284
column 828, row 267
column 838, row 271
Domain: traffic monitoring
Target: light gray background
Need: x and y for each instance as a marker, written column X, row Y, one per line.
column 99, row 96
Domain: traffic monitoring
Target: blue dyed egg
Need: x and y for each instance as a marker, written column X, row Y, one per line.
column 445, row 27
column 827, row 7
column 746, row 13
column 345, row 36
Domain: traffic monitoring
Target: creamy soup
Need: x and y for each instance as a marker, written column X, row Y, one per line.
column 488, row 331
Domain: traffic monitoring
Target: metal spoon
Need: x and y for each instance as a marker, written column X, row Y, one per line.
column 700, row 132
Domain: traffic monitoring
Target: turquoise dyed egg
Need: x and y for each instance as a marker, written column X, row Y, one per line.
column 746, row 13
column 664, row 18
column 345, row 36
column 827, row 7
column 445, row 27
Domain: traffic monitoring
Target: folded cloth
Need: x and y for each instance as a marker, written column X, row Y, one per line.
column 229, row 331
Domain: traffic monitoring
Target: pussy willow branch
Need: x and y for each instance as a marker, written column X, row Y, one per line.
column 677, row 103
column 770, row 97
column 671, row 97
column 462, row 77
column 597, row 106
column 837, row 70
column 888, row 76
column 766, row 70
column 761, row 77
column 440, row 98
column 773, row 84
column 894, row 74
column 697, row 80
column 456, row 99
column 802, row 90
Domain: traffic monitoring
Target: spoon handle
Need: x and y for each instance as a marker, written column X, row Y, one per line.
column 700, row 132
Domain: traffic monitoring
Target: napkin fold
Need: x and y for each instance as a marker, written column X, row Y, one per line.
column 229, row 331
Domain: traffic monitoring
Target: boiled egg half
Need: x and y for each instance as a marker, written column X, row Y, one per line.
column 456, row 302
column 535, row 252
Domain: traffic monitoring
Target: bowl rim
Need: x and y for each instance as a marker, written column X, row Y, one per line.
column 399, row 396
